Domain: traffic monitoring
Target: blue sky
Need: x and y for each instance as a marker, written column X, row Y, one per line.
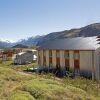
column 25, row 18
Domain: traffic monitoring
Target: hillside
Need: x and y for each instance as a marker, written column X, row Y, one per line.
column 22, row 86
column 20, row 46
column 30, row 41
column 5, row 44
column 87, row 31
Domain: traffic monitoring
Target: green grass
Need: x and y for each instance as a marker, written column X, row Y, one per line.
column 9, row 64
column 16, row 85
column 21, row 95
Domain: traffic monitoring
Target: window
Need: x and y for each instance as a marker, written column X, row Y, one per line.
column 50, row 53
column 67, row 68
column 17, row 56
column 44, row 53
column 50, row 65
column 66, row 55
column 57, row 53
column 76, row 55
column 39, row 53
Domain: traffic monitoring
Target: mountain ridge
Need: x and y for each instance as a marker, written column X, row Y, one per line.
column 86, row 31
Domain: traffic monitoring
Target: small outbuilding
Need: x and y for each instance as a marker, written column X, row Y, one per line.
column 23, row 57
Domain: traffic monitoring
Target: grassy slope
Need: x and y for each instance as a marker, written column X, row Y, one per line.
column 15, row 85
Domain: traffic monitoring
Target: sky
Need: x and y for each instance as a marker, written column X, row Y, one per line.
column 25, row 18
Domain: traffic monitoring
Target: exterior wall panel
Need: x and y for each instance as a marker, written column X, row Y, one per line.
column 71, row 60
column 41, row 52
column 86, row 63
column 54, row 58
column 86, row 60
column 97, row 64
column 62, row 62
column 47, row 57
column 38, row 58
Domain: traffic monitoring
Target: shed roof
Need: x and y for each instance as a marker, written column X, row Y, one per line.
column 21, row 53
column 77, row 43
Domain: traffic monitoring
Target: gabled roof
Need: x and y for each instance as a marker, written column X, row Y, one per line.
column 77, row 43
column 21, row 53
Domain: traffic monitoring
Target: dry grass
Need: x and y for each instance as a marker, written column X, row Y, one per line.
column 15, row 85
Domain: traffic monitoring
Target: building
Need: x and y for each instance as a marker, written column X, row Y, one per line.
column 23, row 57
column 80, row 55
column 33, row 51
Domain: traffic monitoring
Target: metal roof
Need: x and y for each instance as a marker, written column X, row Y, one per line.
column 21, row 53
column 77, row 43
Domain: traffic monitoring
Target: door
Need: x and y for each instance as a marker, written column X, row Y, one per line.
column 44, row 57
column 66, row 56
column 67, row 64
column 50, row 62
column 76, row 62
column 44, row 61
column 50, row 58
column 57, row 58
column 58, row 62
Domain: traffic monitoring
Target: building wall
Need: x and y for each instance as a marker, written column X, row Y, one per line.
column 47, row 57
column 86, row 60
column 54, row 58
column 71, row 60
column 23, row 58
column 97, row 64
column 41, row 57
column 40, row 53
column 86, row 63
column 62, row 59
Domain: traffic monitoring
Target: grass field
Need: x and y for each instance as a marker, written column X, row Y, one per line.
column 17, row 85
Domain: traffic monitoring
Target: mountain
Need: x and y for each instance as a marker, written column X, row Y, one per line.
column 87, row 31
column 5, row 44
column 30, row 41
column 20, row 46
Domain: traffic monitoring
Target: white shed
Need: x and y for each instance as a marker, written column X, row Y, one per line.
column 23, row 58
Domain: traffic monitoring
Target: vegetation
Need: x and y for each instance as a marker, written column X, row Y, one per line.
column 20, row 46
column 23, row 67
column 17, row 85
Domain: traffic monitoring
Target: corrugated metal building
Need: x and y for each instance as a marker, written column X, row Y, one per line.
column 23, row 57
column 80, row 54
